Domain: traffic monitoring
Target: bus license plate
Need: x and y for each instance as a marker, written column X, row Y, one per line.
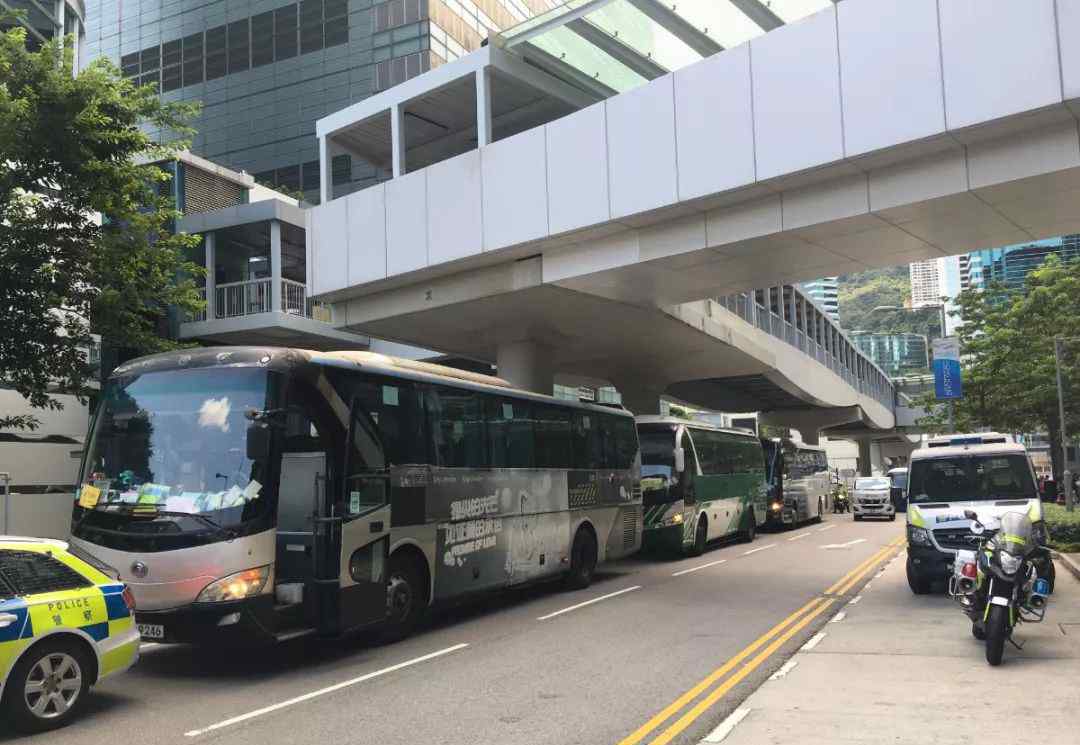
column 151, row 631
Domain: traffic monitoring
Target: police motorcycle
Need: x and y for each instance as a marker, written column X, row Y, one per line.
column 997, row 584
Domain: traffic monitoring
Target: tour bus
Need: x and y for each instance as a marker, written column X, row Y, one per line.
column 799, row 484
column 699, row 483
column 272, row 493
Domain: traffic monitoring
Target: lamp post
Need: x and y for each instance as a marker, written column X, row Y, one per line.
column 1069, row 496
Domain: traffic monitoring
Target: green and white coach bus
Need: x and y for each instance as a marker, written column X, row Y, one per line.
column 269, row 493
column 699, row 483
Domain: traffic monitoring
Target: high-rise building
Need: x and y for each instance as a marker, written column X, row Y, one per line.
column 825, row 292
column 927, row 282
column 964, row 265
column 45, row 20
column 898, row 354
column 1010, row 265
column 266, row 70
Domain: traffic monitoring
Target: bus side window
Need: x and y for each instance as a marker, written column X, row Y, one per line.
column 625, row 441
column 710, row 452
column 457, row 427
column 585, row 441
column 509, row 432
column 552, row 437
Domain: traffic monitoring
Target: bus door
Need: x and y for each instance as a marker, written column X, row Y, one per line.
column 362, row 523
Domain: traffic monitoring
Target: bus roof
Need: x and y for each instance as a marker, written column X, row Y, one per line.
column 694, row 423
column 286, row 358
column 926, row 453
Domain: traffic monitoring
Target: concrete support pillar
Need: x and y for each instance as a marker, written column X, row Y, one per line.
column 527, row 365
column 397, row 139
column 276, row 303
column 642, row 398
column 483, row 107
column 870, row 457
column 211, row 276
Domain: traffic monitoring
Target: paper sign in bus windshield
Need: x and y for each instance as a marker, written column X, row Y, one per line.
column 152, row 496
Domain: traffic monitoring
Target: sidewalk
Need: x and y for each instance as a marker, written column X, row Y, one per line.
column 898, row 668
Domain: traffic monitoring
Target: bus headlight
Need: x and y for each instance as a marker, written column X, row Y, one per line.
column 239, row 586
column 776, row 506
column 676, row 519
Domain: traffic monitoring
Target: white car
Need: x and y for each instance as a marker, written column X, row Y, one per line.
column 870, row 498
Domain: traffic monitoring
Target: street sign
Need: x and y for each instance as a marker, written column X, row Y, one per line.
column 947, row 383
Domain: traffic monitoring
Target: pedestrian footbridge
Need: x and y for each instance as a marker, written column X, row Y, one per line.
column 600, row 169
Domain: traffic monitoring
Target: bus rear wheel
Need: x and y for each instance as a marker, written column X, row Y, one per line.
column 582, row 560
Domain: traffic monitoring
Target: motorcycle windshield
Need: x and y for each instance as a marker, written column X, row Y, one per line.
column 1016, row 534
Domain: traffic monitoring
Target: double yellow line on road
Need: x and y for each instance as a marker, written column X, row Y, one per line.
column 771, row 640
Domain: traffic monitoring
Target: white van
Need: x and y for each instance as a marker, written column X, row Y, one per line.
column 988, row 473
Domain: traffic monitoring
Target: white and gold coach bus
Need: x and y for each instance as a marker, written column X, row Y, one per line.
column 270, row 493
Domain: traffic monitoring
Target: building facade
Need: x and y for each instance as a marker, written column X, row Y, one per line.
column 265, row 70
column 899, row 355
column 46, row 20
column 1010, row 265
column 825, row 292
column 927, row 282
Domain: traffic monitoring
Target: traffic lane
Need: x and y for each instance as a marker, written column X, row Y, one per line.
column 159, row 696
column 586, row 676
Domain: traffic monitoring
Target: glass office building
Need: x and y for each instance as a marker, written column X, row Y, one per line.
column 266, row 70
column 899, row 355
column 1010, row 265
column 825, row 292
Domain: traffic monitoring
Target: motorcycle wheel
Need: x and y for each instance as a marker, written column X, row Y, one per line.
column 997, row 629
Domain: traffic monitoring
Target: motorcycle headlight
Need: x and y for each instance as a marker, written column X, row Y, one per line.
column 1010, row 564
column 918, row 536
column 245, row 584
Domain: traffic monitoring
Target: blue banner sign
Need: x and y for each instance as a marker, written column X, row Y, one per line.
column 947, row 383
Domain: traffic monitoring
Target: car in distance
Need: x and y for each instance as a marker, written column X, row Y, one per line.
column 870, row 498
column 65, row 623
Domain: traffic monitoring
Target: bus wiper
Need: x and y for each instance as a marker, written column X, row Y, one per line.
column 150, row 510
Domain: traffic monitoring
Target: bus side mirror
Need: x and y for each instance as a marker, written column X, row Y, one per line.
column 680, row 460
column 258, row 441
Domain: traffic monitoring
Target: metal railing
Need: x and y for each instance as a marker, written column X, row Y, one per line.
column 866, row 378
column 235, row 299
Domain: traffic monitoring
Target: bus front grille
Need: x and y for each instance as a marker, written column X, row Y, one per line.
column 630, row 519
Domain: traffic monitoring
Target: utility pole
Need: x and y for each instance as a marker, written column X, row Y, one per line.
column 1067, row 477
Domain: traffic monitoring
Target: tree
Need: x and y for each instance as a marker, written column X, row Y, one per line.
column 72, row 150
column 1007, row 349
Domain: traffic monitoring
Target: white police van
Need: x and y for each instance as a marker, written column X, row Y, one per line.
column 984, row 472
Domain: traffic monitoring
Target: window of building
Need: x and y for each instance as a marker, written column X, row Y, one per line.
column 239, row 46
column 170, row 65
column 285, row 39
column 129, row 65
column 215, row 53
column 341, row 169
column 193, row 59
column 336, row 23
column 310, row 180
column 289, row 177
column 262, row 39
column 311, row 26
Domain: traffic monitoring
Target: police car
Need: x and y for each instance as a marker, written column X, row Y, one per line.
column 985, row 472
column 65, row 623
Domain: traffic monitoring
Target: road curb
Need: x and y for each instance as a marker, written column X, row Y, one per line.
column 1069, row 563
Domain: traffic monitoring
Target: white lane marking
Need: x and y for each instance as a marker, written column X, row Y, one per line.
column 786, row 668
column 849, row 544
column 589, row 602
column 800, row 535
column 694, row 569
column 722, row 731
column 855, row 600
column 838, row 617
column 814, row 641
column 827, row 527
column 867, row 586
column 322, row 691
column 755, row 550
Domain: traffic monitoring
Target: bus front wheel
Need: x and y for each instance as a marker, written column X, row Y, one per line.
column 407, row 595
column 582, row 560
column 701, row 537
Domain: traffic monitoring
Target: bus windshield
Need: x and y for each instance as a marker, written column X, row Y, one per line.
column 657, row 453
column 971, row 477
column 173, row 445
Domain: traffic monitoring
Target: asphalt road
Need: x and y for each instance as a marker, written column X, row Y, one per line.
column 660, row 656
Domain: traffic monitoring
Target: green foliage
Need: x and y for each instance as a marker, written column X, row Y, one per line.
column 1007, row 344
column 861, row 292
column 1064, row 528
column 70, row 148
